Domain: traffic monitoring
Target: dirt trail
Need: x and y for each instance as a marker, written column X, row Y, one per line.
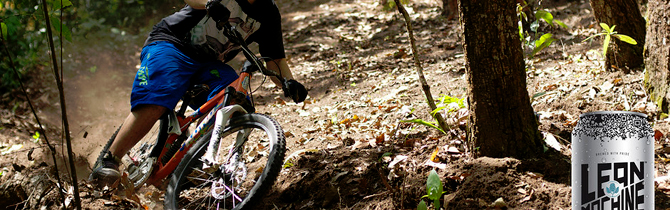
column 354, row 58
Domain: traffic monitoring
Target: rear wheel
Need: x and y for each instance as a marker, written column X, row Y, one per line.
column 244, row 173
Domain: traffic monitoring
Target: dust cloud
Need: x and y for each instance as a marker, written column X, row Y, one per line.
column 97, row 100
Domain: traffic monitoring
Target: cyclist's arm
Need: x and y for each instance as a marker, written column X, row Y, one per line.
column 281, row 66
column 196, row 4
column 200, row 4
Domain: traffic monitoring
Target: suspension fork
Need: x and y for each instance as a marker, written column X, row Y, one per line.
column 211, row 159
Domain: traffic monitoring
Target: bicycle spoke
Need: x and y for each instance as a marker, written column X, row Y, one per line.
column 241, row 160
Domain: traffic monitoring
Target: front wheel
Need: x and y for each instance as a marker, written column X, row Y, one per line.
column 246, row 171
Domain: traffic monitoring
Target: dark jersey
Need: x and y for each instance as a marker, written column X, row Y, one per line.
column 195, row 33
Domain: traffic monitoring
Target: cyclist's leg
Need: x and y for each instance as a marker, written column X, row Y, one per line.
column 217, row 76
column 161, row 80
column 136, row 125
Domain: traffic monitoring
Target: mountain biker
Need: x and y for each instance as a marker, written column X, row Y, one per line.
column 188, row 48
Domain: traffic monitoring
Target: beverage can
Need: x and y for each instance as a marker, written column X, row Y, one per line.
column 612, row 161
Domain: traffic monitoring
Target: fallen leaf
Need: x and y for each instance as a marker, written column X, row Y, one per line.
column 396, row 160
column 379, row 139
column 499, row 203
column 550, row 87
column 551, row 141
column 435, row 165
column 453, row 150
column 464, row 175
column 663, row 187
column 279, row 100
column 410, row 142
column 617, row 81
column 311, row 130
column 433, row 157
column 522, row 191
column 338, row 176
column 12, row 149
column 535, row 175
column 528, row 197
column 372, row 142
column 332, row 146
column 400, row 53
column 606, row 86
column 658, row 135
column 360, row 145
column 288, row 134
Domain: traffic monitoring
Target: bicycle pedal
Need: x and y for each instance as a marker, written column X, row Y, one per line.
column 142, row 172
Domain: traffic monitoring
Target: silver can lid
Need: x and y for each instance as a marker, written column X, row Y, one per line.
column 613, row 112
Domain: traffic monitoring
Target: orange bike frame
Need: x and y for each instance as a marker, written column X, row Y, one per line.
column 161, row 171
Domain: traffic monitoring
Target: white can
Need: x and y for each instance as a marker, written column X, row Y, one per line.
column 612, row 161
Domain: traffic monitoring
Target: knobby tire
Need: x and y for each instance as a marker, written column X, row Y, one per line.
column 181, row 176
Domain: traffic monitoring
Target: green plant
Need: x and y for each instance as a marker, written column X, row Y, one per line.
column 390, row 4
column 36, row 137
column 609, row 32
column 23, row 30
column 434, row 190
column 3, row 26
column 444, row 102
column 426, row 123
column 540, row 41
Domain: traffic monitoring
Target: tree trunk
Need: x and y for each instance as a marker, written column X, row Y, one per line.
column 502, row 122
column 625, row 14
column 657, row 62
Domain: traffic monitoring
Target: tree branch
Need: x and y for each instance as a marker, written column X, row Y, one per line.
column 419, row 69
column 66, row 126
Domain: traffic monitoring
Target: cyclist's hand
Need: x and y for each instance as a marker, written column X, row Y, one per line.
column 217, row 11
column 295, row 90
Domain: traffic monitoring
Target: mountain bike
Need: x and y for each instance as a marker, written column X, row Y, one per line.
column 231, row 158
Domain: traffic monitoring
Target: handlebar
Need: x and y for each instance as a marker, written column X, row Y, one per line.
column 235, row 37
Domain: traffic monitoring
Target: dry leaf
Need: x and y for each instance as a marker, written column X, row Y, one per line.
column 550, row 87
column 360, row 145
column 453, row 150
column 522, row 191
column 663, row 187
column 528, row 197
column 279, row 100
column 606, row 86
column 396, row 160
column 499, row 203
column 379, row 139
column 435, row 165
column 535, row 175
column 551, row 141
column 433, row 157
column 332, row 146
column 658, row 135
column 311, row 130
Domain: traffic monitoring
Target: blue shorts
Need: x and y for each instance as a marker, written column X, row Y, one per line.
column 165, row 74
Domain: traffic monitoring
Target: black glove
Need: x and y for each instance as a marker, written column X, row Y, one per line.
column 295, row 90
column 217, row 11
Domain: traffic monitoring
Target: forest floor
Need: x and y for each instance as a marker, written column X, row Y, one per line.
column 347, row 142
